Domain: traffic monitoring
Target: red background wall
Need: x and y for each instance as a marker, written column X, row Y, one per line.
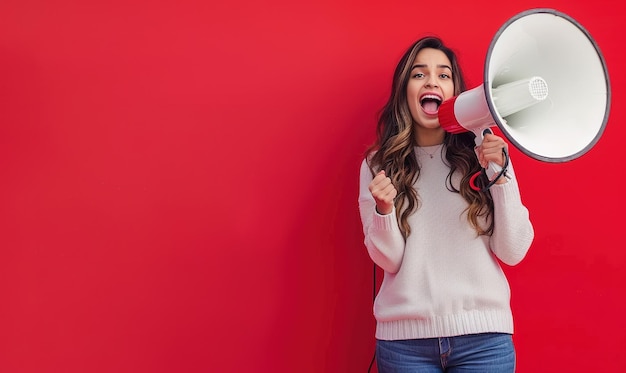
column 179, row 186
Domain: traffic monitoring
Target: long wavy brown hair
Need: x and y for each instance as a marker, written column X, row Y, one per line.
column 394, row 148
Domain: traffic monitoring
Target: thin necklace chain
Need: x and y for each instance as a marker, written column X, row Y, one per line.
column 431, row 155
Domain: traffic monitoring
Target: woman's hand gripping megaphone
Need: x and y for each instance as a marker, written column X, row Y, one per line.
column 493, row 156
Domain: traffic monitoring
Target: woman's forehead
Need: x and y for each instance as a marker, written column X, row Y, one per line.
column 431, row 56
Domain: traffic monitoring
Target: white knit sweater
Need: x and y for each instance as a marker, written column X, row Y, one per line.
column 444, row 280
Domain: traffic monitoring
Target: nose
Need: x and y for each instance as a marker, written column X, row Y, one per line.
column 432, row 82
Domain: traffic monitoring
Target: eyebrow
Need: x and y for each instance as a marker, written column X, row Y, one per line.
column 424, row 65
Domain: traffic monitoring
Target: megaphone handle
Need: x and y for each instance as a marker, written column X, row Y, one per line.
column 493, row 169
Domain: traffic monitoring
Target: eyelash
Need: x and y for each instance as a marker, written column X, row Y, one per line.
column 445, row 76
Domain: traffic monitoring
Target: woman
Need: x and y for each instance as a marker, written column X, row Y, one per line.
column 444, row 303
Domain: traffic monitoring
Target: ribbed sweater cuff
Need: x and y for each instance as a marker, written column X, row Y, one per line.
column 385, row 222
column 506, row 191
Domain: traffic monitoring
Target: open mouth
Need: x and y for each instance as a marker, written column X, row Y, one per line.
column 430, row 103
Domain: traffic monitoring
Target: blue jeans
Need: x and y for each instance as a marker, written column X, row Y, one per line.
column 479, row 353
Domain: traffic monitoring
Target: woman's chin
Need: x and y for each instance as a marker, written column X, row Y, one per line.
column 429, row 122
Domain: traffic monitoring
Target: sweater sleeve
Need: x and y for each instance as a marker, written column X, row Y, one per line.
column 513, row 231
column 383, row 239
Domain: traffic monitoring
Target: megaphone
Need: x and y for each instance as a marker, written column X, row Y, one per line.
column 545, row 86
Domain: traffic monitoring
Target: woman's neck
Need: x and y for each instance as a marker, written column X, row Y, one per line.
column 430, row 137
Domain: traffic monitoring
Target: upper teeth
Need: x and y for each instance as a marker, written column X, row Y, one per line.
column 431, row 97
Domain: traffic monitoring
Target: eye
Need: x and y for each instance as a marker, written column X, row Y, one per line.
column 444, row 76
column 418, row 75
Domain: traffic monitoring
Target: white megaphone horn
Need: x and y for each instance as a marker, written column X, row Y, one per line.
column 545, row 85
